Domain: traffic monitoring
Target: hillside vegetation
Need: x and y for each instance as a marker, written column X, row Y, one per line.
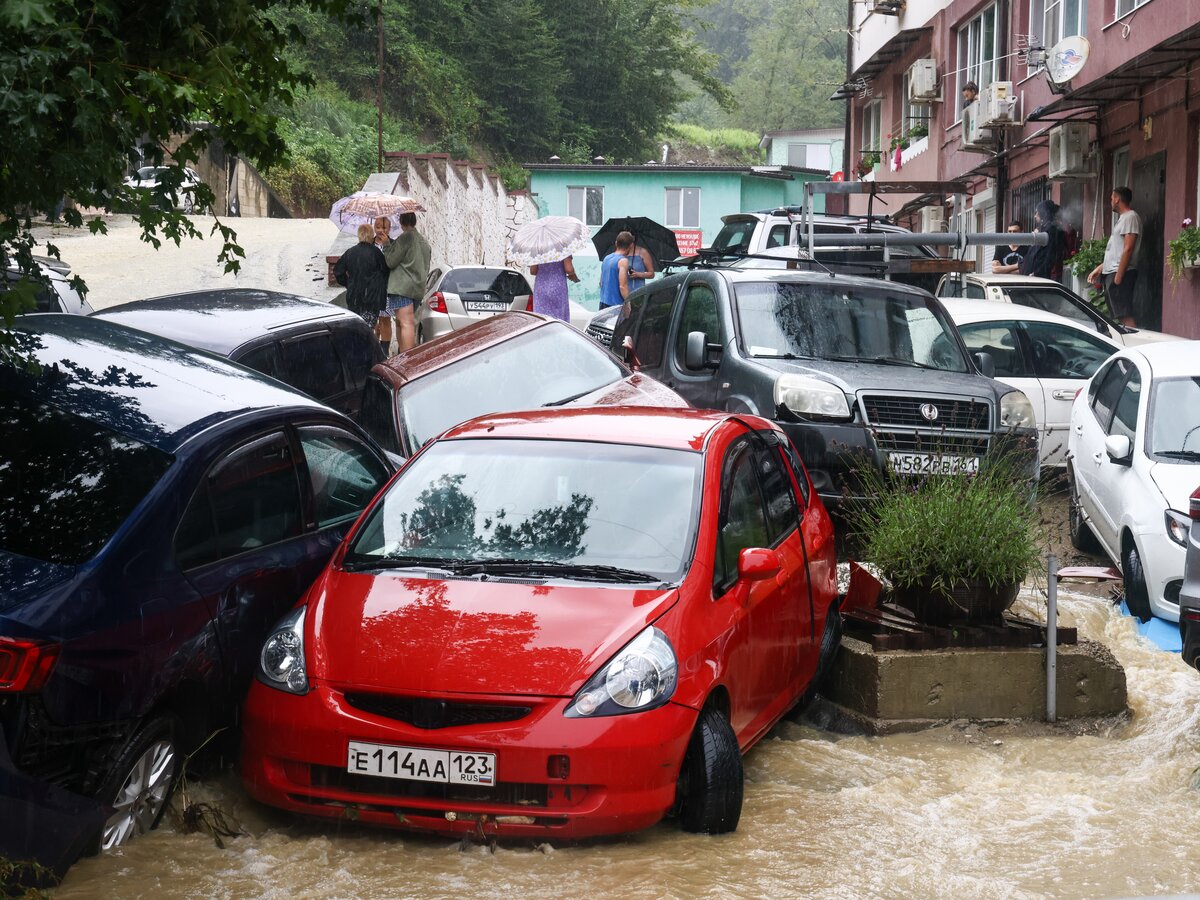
column 512, row 81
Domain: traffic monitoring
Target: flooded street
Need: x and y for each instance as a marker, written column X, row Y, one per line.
column 953, row 812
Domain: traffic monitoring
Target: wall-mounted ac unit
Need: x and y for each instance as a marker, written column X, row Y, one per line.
column 975, row 137
column 1069, row 150
column 932, row 218
column 999, row 106
column 922, row 81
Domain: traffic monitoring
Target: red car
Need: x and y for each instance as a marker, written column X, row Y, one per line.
column 557, row 623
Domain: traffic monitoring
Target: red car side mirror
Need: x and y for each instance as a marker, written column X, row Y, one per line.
column 758, row 564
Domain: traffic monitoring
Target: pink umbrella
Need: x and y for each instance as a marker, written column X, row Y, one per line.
column 364, row 207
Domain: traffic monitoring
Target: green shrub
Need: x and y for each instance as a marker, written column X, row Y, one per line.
column 946, row 530
column 1090, row 255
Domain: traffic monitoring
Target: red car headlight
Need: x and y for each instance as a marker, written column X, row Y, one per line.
column 281, row 663
column 640, row 677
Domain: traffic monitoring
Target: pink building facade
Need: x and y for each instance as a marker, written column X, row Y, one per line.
column 1129, row 116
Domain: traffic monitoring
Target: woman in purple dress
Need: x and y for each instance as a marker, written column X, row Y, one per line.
column 550, row 288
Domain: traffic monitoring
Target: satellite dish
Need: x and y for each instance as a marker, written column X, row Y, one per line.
column 1067, row 58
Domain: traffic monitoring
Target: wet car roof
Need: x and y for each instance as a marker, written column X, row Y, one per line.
column 450, row 348
column 681, row 429
column 222, row 320
column 153, row 390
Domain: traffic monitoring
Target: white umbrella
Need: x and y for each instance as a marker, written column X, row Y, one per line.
column 548, row 239
column 364, row 207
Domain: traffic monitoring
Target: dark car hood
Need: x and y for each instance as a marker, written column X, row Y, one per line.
column 23, row 580
column 853, row 377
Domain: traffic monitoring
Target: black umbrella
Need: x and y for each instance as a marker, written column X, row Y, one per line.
column 658, row 239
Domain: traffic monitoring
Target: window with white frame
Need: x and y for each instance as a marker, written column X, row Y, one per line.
column 1052, row 20
column 978, row 54
column 683, row 207
column 587, row 205
column 872, row 126
column 1125, row 7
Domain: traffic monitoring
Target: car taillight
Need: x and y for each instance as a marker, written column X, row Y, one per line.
column 529, row 304
column 25, row 665
column 437, row 302
column 1194, row 504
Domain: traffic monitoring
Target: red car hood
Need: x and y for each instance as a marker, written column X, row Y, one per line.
column 421, row 635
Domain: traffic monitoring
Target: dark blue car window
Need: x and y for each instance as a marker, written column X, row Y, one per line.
column 66, row 484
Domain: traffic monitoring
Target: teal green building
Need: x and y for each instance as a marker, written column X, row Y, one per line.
column 691, row 199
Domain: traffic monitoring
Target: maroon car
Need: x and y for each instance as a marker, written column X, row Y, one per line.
column 513, row 361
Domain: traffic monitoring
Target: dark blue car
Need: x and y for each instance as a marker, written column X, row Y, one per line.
column 160, row 508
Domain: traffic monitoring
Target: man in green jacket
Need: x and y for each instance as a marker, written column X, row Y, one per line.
column 408, row 259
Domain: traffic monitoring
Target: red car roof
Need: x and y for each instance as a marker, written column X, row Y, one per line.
column 683, row 429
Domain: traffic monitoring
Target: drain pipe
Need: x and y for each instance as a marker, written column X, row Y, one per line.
column 1052, row 638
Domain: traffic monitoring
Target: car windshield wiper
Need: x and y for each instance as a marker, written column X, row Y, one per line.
column 554, row 567
column 1179, row 454
column 565, row 400
column 881, row 360
column 780, row 356
column 398, row 561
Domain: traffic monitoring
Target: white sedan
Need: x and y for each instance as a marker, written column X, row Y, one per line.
column 1133, row 459
column 1048, row 357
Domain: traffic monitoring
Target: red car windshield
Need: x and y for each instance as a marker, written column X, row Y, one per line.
column 560, row 502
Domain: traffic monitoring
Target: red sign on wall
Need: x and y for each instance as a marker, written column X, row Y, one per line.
column 690, row 240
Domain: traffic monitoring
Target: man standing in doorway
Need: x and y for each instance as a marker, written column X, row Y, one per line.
column 1119, row 268
column 408, row 258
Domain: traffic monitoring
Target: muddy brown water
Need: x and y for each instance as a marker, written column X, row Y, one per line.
column 958, row 811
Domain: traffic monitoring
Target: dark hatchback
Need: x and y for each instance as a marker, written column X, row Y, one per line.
column 321, row 349
column 160, row 507
column 855, row 370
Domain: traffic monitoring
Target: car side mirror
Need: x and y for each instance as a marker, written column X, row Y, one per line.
column 986, row 364
column 758, row 564
column 699, row 353
column 1119, row 449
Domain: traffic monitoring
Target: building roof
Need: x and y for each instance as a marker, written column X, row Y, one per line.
column 786, row 173
column 137, row 384
column 817, row 134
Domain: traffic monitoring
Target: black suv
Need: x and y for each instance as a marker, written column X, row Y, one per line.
column 846, row 365
column 321, row 349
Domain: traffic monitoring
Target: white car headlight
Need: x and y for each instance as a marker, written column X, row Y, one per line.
column 1177, row 526
column 1016, row 411
column 811, row 397
column 281, row 662
column 640, row 677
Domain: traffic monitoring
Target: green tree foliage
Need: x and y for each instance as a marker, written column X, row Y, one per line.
column 796, row 53
column 85, row 82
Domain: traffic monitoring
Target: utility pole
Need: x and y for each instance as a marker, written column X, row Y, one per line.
column 379, row 89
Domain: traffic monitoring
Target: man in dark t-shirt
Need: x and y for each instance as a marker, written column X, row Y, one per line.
column 1007, row 258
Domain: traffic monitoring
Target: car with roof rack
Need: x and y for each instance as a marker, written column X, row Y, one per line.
column 857, row 371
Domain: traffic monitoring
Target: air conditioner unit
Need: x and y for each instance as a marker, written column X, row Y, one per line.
column 999, row 106
column 922, row 81
column 932, row 218
column 975, row 137
column 1069, row 150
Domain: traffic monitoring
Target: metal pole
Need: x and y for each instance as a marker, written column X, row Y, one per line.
column 1052, row 639
column 379, row 89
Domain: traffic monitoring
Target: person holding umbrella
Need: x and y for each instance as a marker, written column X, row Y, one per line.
column 363, row 273
column 616, row 272
column 408, row 257
column 546, row 246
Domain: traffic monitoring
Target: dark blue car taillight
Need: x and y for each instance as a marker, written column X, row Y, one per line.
column 25, row 665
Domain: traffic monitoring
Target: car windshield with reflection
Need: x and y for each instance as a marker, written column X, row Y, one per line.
column 1174, row 433
column 544, row 367
column 784, row 320
column 66, row 483
column 571, row 509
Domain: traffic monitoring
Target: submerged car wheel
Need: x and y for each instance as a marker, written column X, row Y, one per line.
column 140, row 782
column 710, row 782
column 1082, row 538
column 831, row 639
column 1137, row 597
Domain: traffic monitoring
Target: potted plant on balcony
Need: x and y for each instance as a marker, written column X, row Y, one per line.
column 1184, row 251
column 867, row 163
column 954, row 547
column 917, row 132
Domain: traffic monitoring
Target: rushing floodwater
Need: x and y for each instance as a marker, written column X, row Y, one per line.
column 953, row 812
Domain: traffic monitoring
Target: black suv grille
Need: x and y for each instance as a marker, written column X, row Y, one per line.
column 905, row 412
column 932, row 443
column 427, row 712
column 505, row 793
column 600, row 334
